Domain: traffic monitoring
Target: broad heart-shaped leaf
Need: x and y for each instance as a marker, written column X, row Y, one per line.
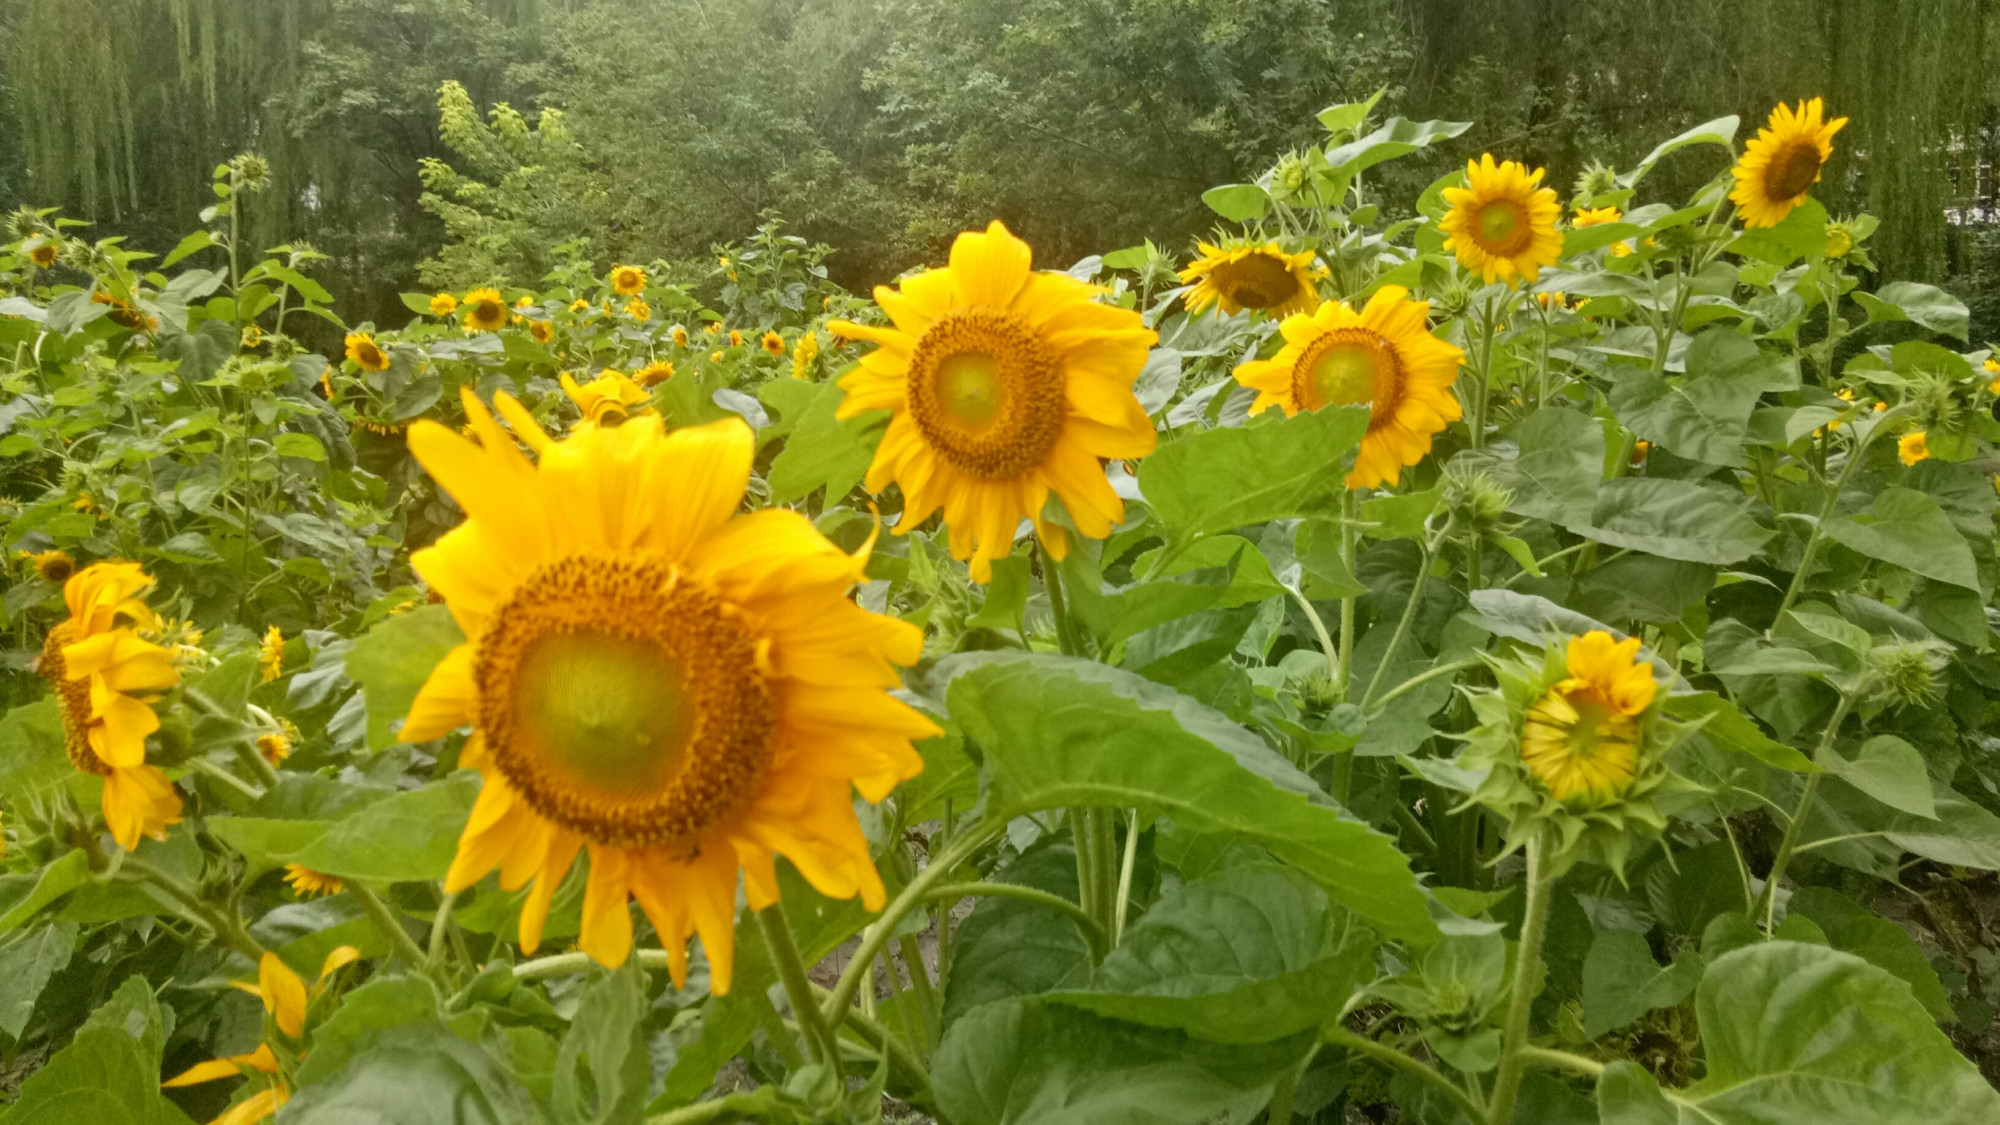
column 25, row 969
column 1009, row 947
column 1246, row 956
column 392, row 660
column 1889, row 770
column 1882, row 943
column 1730, row 729
column 1705, row 415
column 1675, row 519
column 1397, row 137
column 1555, row 474
column 110, row 1072
column 363, row 1016
column 410, row 835
column 1622, row 982
column 1721, row 131
column 420, row 1074
column 1926, row 305
column 824, row 451
column 1032, row 1061
column 1962, row 832
column 1239, row 203
column 1059, row 732
column 1907, row 528
column 1272, row 468
column 1801, row 234
column 1800, row 1033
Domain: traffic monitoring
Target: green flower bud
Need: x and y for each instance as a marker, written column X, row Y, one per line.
column 1905, row 674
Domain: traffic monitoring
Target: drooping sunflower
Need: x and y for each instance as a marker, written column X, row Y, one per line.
column 485, row 311
column 803, row 355
column 712, row 327
column 275, row 746
column 308, row 883
column 1383, row 356
column 1006, row 383
column 680, row 336
column 286, row 999
column 366, row 353
column 443, row 304
column 252, row 338
column 578, row 305
column 627, row 281
column 1581, row 739
column 1502, row 224
column 608, row 399
column 260, row 1065
column 1595, row 216
column 772, row 343
column 654, row 373
column 271, row 654
column 104, row 674
column 683, row 691
column 1782, row 162
column 1251, row 275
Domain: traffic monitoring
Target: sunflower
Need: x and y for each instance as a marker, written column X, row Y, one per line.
column 271, row 654
column 1913, row 447
column 608, row 399
column 1582, row 737
column 1993, row 368
column 1251, row 276
column 87, row 504
column 286, row 999
column 735, row 338
column 804, row 354
column 1501, row 224
column 308, row 883
column 276, row 745
column 680, row 336
column 542, row 331
column 654, row 373
column 104, row 673
column 260, row 1063
column 443, row 304
column 485, row 311
column 366, row 353
column 45, row 252
column 1782, row 162
column 684, row 691
column 1384, row 356
column 1006, row 383
column 253, row 337
column 627, row 281
column 715, row 356
column 638, row 310
column 1595, row 216
column 55, row 566
column 712, row 327
column 1839, row 241
column 578, row 305
column 772, row 343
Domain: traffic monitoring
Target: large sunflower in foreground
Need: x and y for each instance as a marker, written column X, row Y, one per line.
column 679, row 689
column 1383, row 356
column 1257, row 275
column 1502, row 224
column 105, row 675
column 1581, row 739
column 1782, row 163
column 1006, row 384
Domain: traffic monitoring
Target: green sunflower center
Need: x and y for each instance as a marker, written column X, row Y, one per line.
column 969, row 389
column 986, row 393
column 1503, row 227
column 1792, row 171
column 1348, row 367
column 609, row 713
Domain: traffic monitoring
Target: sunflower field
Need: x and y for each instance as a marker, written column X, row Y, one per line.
column 1505, row 655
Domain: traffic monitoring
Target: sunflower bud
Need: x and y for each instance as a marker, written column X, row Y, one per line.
column 1454, row 300
column 1473, row 498
column 1596, row 179
column 1289, row 178
column 252, row 172
column 1904, row 674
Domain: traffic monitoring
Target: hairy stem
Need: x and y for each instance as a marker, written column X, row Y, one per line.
column 1527, row 966
column 1381, row 1052
column 798, row 986
column 378, row 913
column 1767, row 904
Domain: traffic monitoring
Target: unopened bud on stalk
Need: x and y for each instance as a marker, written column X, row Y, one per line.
column 1473, row 498
column 1905, row 674
column 1596, row 179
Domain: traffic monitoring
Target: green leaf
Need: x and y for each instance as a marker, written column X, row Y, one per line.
column 603, row 1068
column 1035, row 1062
column 1272, row 468
column 392, row 661
column 25, row 969
column 1009, row 947
column 1705, row 415
column 1906, row 528
column 1801, row 234
column 22, row 896
column 1622, row 982
column 1396, row 137
column 1721, row 131
column 1060, row 732
column 1239, row 203
column 1796, row 1032
column 198, row 241
column 33, row 762
column 416, row 1075
column 1882, row 943
column 1349, row 116
column 110, row 1072
column 299, row 445
column 1889, row 770
column 1246, row 956
column 1914, row 301
column 1729, row 729
column 363, row 1015
column 824, row 451
column 1675, row 519
column 412, row 835
column 419, row 303
column 1555, row 476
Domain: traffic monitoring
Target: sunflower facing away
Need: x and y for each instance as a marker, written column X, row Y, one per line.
column 627, row 281
column 608, row 399
column 485, row 311
column 1006, row 384
column 366, row 353
column 803, row 355
column 542, row 330
column 1502, row 224
column 104, row 674
column 1782, row 162
column 1582, row 737
column 443, row 304
column 1383, row 356
column 1251, row 276
column 679, row 689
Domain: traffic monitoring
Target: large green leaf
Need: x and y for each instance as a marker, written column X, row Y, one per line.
column 392, row 661
column 419, row 1074
column 1556, row 473
column 1622, row 982
column 1008, row 947
column 1882, row 943
column 1915, row 301
column 410, row 835
column 1059, row 732
column 25, row 969
column 824, row 451
column 110, row 1072
column 1246, row 956
column 1032, row 1061
column 33, row 762
column 1889, row 770
column 1270, row 469
column 1801, row 1033
column 603, row 1068
column 1675, row 519
column 1705, row 415
column 363, row 1016
column 22, row 896
column 1907, row 528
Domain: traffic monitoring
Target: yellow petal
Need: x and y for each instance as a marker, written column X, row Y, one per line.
column 284, row 994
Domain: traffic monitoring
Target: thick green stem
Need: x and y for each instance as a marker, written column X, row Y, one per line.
column 386, row 921
column 1562, row 1060
column 903, row 1062
column 1527, row 968
column 1390, row 1056
column 1855, row 455
column 1767, row 904
column 204, row 766
column 798, row 986
column 1125, row 869
column 564, row 964
column 877, row 935
column 1283, row 1096
column 440, row 926
column 1335, row 667
column 1350, row 540
column 1065, row 635
column 226, row 929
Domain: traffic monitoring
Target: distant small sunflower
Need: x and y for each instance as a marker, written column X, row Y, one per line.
column 44, row 253
column 715, row 357
column 680, row 336
column 443, row 304
column 542, row 331
column 627, row 281
column 712, row 327
column 485, row 310
column 654, row 373
column 271, row 654
column 735, row 338
column 308, row 883
column 638, row 310
column 804, row 354
column 608, row 399
column 1595, row 216
column 253, row 337
column 366, row 353
column 1782, row 162
column 773, row 343
column 579, row 305
column 1502, row 224
column 55, row 566
column 1913, row 447
column 1259, row 276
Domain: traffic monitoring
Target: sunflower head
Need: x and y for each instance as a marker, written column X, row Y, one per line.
column 1004, row 384
column 1571, row 744
column 44, row 252
column 682, row 690
column 1502, row 223
column 1913, row 447
column 654, row 373
column 804, row 354
column 275, row 746
column 1383, row 357
column 542, row 330
column 1594, row 216
column 485, row 311
column 638, row 310
column 1251, row 275
column 1782, row 162
column 680, row 336
column 271, row 654
column 772, row 343
column 627, row 281
column 366, row 353
column 54, row 566
column 608, row 399
column 735, row 338
column 443, row 304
